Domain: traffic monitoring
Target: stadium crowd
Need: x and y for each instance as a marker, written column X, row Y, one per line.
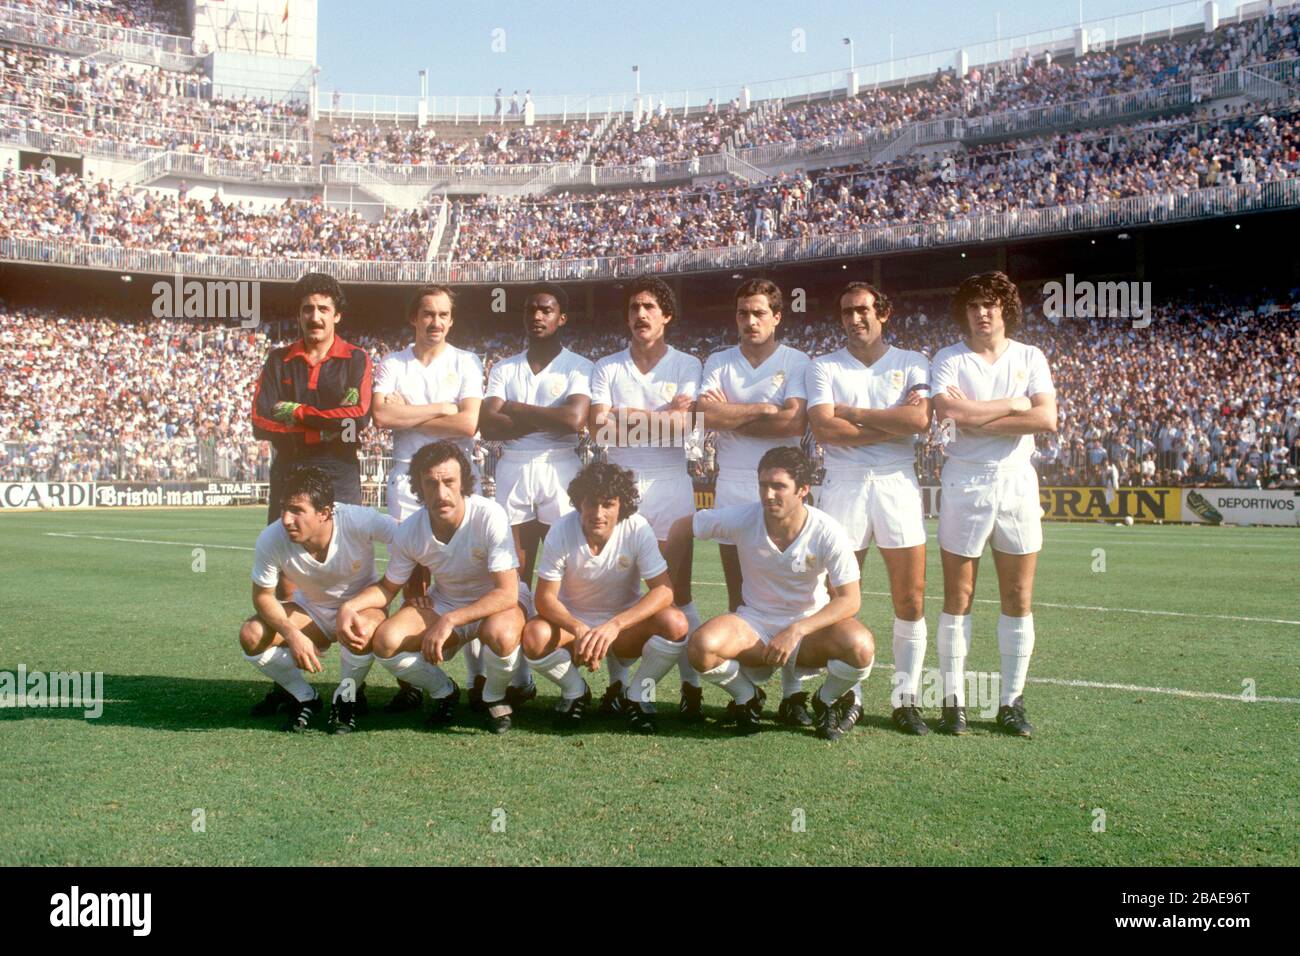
column 159, row 16
column 1209, row 393
column 67, row 206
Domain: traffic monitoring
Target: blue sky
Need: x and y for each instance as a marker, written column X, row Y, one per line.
column 582, row 46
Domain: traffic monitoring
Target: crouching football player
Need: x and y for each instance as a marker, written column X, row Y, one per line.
column 327, row 551
column 786, row 550
column 464, row 540
column 589, row 600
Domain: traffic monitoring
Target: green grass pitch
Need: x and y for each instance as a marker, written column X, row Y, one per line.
column 1139, row 714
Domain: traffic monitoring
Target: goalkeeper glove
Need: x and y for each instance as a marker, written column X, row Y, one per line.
column 284, row 412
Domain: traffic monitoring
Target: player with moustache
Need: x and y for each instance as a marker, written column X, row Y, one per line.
column 867, row 402
column 464, row 541
column 642, row 410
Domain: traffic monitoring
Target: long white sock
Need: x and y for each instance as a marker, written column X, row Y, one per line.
column 558, row 666
column 954, row 644
column 474, row 659
column 620, row 668
column 277, row 664
column 411, row 667
column 658, row 657
column 523, row 675
column 688, row 673
column 353, row 668
column 793, row 676
column 730, row 678
column 1015, row 644
column 909, row 658
column 497, row 670
column 840, row 678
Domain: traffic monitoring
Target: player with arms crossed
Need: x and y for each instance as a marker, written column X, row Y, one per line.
column 997, row 394
column 866, row 403
column 537, row 402
column 753, row 397
column 642, row 409
column 589, row 600
column 788, row 550
column 428, row 391
column 327, row 551
column 464, row 540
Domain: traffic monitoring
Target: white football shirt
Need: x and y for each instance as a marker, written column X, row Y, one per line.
column 512, row 379
column 780, row 377
column 782, row 584
column 600, row 585
column 1020, row 370
column 462, row 568
column 618, row 383
column 840, row 378
column 349, row 565
column 450, row 377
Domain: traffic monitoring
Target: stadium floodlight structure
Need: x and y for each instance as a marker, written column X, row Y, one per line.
column 848, row 41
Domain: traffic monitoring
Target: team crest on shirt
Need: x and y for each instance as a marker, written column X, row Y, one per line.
column 450, row 378
column 356, row 566
column 624, row 562
column 1021, row 376
column 557, row 387
column 803, row 563
column 478, row 554
column 778, row 379
column 896, row 378
column 670, row 389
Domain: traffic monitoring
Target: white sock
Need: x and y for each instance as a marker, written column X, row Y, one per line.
column 793, row 676
column 954, row 643
column 497, row 670
column 277, row 664
column 658, row 657
column 474, row 660
column 688, row 673
column 909, row 657
column 558, row 666
column 620, row 668
column 523, row 675
column 840, row 678
column 354, row 668
column 729, row 677
column 411, row 667
column 1016, row 644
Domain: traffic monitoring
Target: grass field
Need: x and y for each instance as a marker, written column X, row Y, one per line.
column 1139, row 714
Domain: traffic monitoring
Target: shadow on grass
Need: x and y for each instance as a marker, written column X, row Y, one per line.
column 181, row 704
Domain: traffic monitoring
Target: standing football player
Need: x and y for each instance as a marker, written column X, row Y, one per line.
column 589, row 600
column 992, row 395
column 429, row 390
column 642, row 409
column 867, row 402
column 464, row 540
column 327, row 551
column 790, row 552
column 752, row 396
column 537, row 402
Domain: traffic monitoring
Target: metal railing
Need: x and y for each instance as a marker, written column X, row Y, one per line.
column 994, row 227
column 86, row 37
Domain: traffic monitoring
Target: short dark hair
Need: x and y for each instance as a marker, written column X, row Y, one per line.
column 658, row 288
column 429, row 288
column 320, row 283
column 790, row 459
column 434, row 454
column 554, row 291
column 988, row 285
column 881, row 301
column 312, row 482
column 602, row 481
column 762, row 287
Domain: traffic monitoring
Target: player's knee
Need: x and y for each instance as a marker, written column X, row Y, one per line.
column 675, row 626
column 501, row 632
column 910, row 607
column 861, row 649
column 253, row 636
column 385, row 640
column 702, row 648
column 1016, row 600
column 537, row 639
